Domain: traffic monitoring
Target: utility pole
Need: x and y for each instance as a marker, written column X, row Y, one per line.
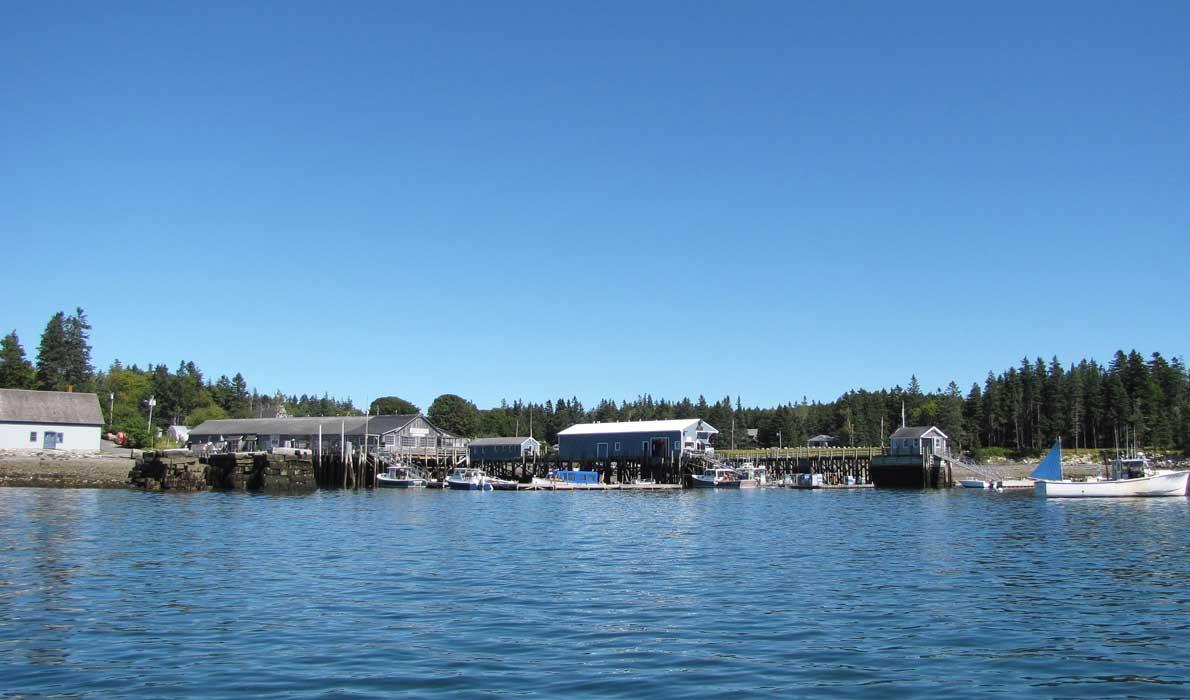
column 111, row 408
column 152, row 438
column 780, row 441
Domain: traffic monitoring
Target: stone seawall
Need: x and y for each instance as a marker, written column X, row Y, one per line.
column 178, row 470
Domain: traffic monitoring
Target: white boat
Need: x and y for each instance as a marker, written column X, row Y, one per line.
column 752, row 476
column 503, row 484
column 716, row 478
column 399, row 477
column 468, row 479
column 975, row 484
column 1132, row 477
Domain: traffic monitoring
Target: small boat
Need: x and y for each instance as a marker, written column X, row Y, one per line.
column 503, row 484
column 751, row 476
column 1132, row 477
column 975, row 484
column 398, row 477
column 468, row 479
column 716, row 478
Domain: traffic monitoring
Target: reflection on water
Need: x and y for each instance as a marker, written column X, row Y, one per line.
column 699, row 593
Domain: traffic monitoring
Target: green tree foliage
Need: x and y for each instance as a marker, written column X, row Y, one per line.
column 51, row 355
column 392, row 406
column 16, row 372
column 455, row 414
column 64, row 356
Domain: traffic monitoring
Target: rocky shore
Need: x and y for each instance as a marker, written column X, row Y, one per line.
column 56, row 469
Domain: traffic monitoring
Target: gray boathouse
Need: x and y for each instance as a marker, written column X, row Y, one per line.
column 917, row 457
column 410, row 434
column 635, row 440
column 503, row 449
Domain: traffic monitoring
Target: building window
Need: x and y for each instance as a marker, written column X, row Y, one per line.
column 32, row 437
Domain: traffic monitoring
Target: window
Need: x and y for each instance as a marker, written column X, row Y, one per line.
column 33, row 437
column 617, row 448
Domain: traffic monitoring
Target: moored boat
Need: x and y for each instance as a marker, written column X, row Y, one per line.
column 503, row 484
column 399, row 477
column 468, row 479
column 716, row 478
column 1133, row 477
column 751, row 476
column 975, row 484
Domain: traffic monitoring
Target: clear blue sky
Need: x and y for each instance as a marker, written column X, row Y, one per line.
column 535, row 200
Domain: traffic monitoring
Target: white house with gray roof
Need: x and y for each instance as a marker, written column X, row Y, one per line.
column 49, row 420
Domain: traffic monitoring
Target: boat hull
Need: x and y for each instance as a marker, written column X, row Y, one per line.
column 709, row 484
column 1172, row 484
column 974, row 484
column 387, row 483
column 467, row 486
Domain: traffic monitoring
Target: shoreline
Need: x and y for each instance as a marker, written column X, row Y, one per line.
column 66, row 472
column 105, row 471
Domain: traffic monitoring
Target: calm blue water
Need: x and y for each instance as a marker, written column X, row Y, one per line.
column 690, row 594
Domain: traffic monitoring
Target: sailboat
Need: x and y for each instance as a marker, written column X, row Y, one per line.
column 1048, row 481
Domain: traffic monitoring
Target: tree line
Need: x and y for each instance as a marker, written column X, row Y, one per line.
column 1021, row 409
column 183, row 396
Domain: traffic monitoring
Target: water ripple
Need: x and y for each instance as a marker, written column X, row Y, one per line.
column 694, row 594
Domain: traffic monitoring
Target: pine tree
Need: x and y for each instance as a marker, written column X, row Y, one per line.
column 16, row 372
column 78, row 371
column 52, row 359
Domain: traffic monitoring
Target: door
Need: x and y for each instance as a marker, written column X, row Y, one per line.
column 660, row 449
column 601, row 450
column 50, row 441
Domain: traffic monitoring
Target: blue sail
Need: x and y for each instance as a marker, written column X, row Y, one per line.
column 1050, row 468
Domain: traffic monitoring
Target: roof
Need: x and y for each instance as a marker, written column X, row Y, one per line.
column 61, row 407
column 822, row 438
column 306, row 425
column 638, row 426
column 488, row 442
column 917, row 431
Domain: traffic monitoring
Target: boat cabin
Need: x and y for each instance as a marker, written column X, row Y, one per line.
column 1131, row 468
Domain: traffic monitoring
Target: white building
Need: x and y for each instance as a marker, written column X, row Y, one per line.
column 49, row 420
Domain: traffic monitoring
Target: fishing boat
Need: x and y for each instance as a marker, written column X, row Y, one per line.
column 751, row 476
column 399, row 477
column 716, row 478
column 468, row 479
column 1133, row 477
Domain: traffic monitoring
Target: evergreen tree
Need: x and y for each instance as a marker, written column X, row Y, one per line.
column 16, row 372
column 52, row 359
column 78, row 370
